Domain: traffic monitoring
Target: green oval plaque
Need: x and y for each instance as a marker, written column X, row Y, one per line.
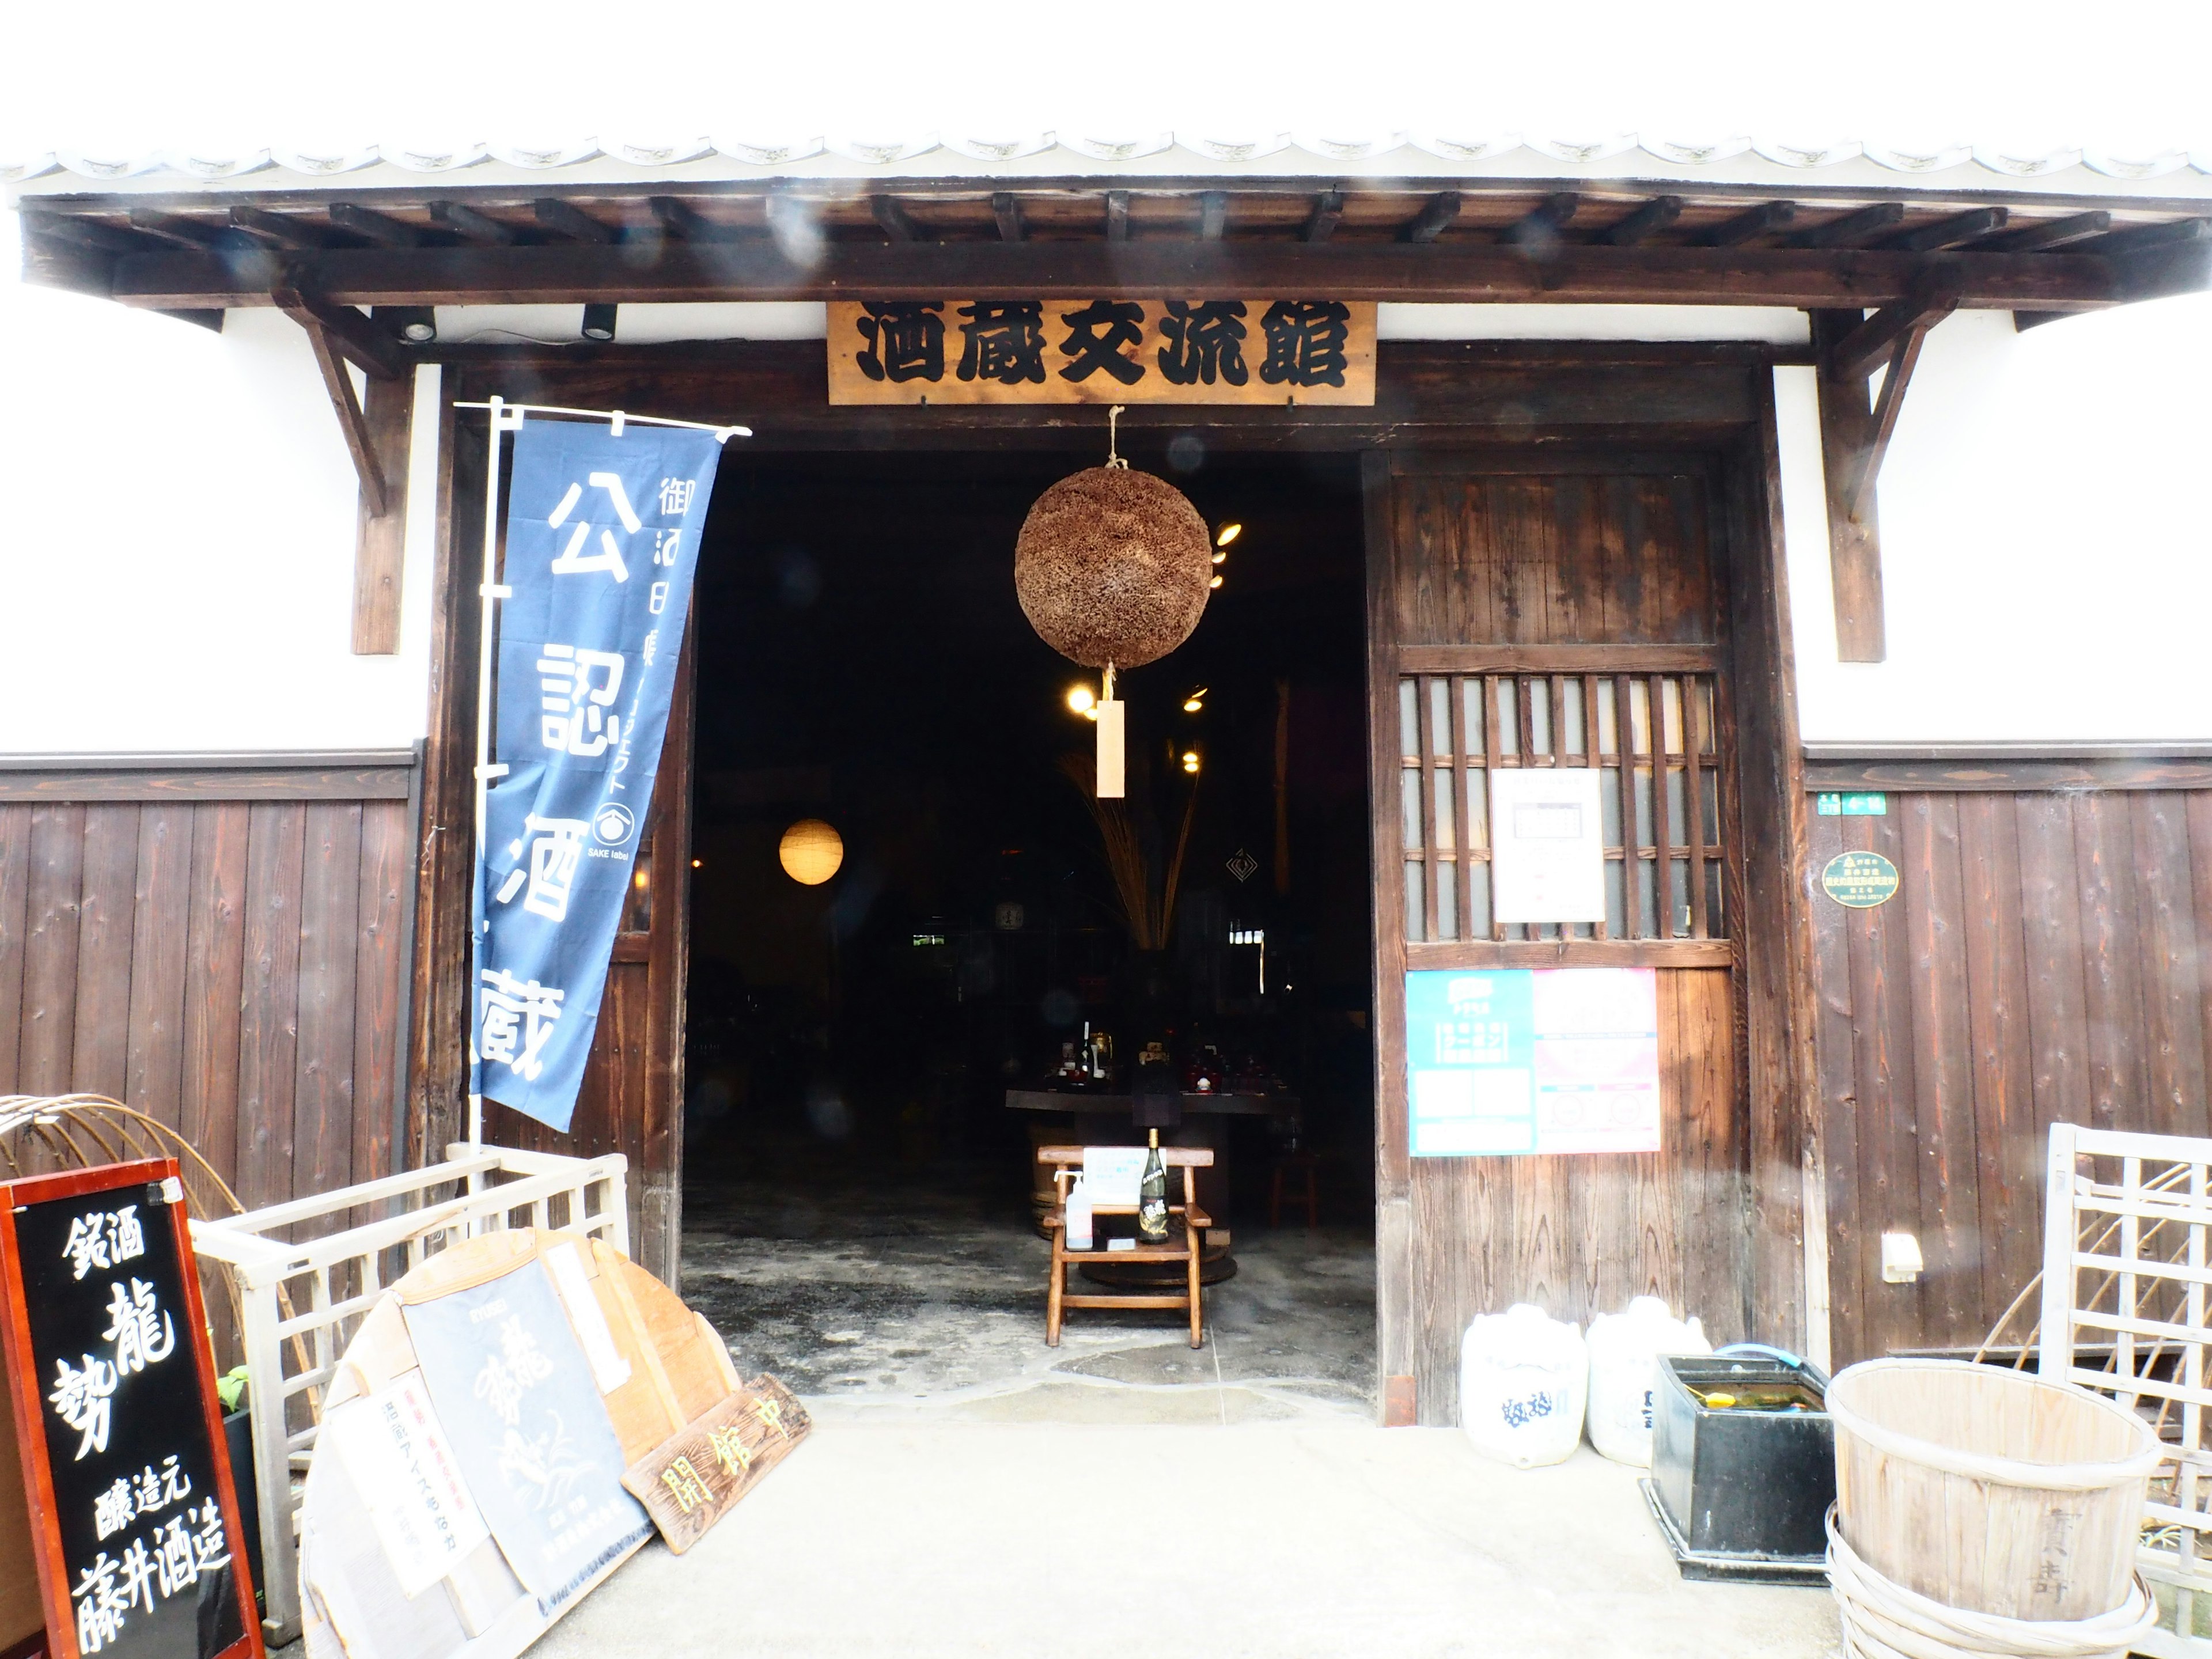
column 1859, row 881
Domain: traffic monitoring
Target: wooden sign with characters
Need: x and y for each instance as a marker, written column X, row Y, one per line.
column 1101, row 351
column 119, row 1529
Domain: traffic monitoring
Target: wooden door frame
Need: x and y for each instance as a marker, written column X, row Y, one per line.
column 1717, row 397
column 1771, row 941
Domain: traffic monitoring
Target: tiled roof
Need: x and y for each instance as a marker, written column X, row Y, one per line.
column 1397, row 154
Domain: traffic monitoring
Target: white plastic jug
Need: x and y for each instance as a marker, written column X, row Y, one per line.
column 1523, row 1379
column 1623, row 1354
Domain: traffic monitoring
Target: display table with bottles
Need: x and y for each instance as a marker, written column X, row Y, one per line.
column 1100, row 1119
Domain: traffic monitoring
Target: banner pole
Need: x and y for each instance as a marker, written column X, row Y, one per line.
column 490, row 592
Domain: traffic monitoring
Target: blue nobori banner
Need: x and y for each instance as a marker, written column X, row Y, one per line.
column 602, row 539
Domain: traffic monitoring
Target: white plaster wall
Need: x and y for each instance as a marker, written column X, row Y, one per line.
column 176, row 570
column 2046, row 549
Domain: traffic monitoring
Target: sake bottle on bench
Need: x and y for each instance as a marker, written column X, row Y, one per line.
column 1152, row 1198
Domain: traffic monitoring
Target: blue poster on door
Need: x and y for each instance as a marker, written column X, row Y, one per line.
column 1532, row 1061
column 602, row 538
column 517, row 1399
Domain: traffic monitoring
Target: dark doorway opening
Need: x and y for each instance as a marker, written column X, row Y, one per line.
column 857, row 1194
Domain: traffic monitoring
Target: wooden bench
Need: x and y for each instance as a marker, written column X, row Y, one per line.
column 1068, row 1164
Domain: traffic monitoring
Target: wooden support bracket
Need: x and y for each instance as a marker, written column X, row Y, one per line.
column 1855, row 434
column 377, row 436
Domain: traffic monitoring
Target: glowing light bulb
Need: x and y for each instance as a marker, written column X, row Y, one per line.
column 1081, row 700
column 697, row 864
column 1228, row 533
column 1194, row 702
column 1190, row 760
column 1215, row 582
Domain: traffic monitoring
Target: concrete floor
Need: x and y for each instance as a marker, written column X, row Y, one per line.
column 922, row 1537
column 872, row 1298
column 969, row 1490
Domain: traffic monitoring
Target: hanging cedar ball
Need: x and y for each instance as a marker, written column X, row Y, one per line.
column 1112, row 565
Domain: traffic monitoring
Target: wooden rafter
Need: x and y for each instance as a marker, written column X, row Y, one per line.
column 284, row 230
column 567, row 219
column 358, row 337
column 1853, row 229
column 378, row 227
column 1654, row 216
column 1960, row 227
column 893, row 220
column 1321, row 223
column 1752, row 222
column 466, row 222
column 1539, row 226
column 1934, row 297
column 755, row 267
column 1429, row 222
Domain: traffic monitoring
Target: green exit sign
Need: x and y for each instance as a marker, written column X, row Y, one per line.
column 1852, row 806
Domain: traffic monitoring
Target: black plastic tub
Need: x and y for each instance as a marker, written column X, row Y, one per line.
column 1742, row 1493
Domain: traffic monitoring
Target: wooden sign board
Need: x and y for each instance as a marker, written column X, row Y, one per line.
column 696, row 1477
column 133, row 1518
column 1101, row 351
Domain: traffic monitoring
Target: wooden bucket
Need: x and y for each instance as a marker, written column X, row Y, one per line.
column 1990, row 1490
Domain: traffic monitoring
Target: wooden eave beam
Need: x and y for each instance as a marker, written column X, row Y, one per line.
column 756, row 268
column 176, row 230
column 567, row 219
column 1539, row 226
column 284, row 230
column 1753, row 223
column 1853, row 229
column 379, row 228
column 679, row 219
column 1007, row 210
column 893, row 220
column 466, row 222
column 1429, row 222
column 2050, row 232
column 1654, row 216
column 1321, row 222
column 1968, row 226
column 1903, row 358
column 93, row 234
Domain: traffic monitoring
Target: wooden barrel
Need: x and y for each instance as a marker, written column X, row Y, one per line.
column 1990, row 1490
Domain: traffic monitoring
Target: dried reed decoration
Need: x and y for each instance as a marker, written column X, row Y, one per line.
column 1151, row 917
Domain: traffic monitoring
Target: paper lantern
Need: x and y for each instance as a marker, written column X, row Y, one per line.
column 1112, row 567
column 810, row 852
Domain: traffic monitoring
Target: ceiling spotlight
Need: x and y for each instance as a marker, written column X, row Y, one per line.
column 1190, row 760
column 1194, row 702
column 1228, row 533
column 600, row 322
column 416, row 325
column 1081, row 700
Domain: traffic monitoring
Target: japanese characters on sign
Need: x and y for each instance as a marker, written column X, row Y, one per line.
column 141, row 1520
column 1101, row 351
column 1859, row 881
column 1542, row 1060
column 603, row 532
column 521, row 1409
column 691, row 1480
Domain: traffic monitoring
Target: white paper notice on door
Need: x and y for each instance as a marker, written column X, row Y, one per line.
column 1546, row 845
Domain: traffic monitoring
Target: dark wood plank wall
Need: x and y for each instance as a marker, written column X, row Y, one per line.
column 2042, row 961
column 1543, row 549
column 234, row 968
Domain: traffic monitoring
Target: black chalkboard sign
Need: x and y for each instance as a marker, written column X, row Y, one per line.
column 134, row 1518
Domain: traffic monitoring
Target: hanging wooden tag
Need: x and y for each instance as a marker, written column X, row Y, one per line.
column 1111, row 731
